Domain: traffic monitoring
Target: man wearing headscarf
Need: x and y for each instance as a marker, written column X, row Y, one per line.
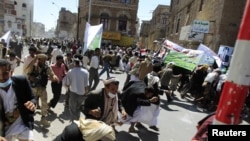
column 38, row 75
column 77, row 81
column 103, row 104
column 87, row 130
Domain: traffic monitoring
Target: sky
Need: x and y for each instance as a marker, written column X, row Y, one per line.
column 46, row 11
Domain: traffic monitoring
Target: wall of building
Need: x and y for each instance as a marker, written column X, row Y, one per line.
column 159, row 23
column 1, row 17
column 25, row 14
column 114, row 9
column 66, row 24
column 224, row 17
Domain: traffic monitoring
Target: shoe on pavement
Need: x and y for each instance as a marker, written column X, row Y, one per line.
column 154, row 128
column 44, row 122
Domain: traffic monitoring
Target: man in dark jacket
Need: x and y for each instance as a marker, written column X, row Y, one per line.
column 18, row 114
column 1, row 120
column 103, row 104
column 137, row 98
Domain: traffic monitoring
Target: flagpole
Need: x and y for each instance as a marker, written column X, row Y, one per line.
column 86, row 29
column 90, row 2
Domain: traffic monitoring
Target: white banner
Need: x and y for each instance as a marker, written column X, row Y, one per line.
column 6, row 37
column 173, row 46
column 94, row 36
column 85, row 40
column 208, row 57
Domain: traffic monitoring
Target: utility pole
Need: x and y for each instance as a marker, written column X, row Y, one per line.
column 78, row 22
column 237, row 84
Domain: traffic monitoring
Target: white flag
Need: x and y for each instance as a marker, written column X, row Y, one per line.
column 94, row 37
column 6, row 37
column 85, row 39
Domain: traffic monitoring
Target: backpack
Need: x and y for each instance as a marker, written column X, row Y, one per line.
column 38, row 79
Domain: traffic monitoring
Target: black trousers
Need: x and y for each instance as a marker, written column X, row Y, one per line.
column 70, row 133
column 93, row 76
column 56, row 90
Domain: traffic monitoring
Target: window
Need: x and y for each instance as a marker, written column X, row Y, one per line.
column 19, row 26
column 104, row 19
column 164, row 20
column 126, row 1
column 172, row 29
column 177, row 25
column 201, row 4
column 24, row 5
column 122, row 24
column 9, row 24
column 188, row 8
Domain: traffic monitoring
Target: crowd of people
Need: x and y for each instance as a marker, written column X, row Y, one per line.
column 90, row 107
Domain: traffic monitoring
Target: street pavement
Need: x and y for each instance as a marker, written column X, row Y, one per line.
column 176, row 122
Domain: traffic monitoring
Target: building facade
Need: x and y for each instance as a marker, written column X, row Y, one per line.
column 16, row 16
column 24, row 16
column 153, row 32
column 66, row 24
column 222, row 19
column 159, row 23
column 119, row 19
column 38, row 30
column 144, row 34
column 2, row 17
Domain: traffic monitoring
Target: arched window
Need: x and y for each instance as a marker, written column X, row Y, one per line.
column 122, row 24
column 104, row 19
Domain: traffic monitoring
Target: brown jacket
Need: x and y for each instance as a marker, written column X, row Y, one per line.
column 145, row 68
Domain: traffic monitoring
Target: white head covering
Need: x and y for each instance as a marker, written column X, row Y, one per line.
column 110, row 80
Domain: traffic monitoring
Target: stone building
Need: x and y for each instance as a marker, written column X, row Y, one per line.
column 223, row 18
column 38, row 30
column 16, row 16
column 66, row 24
column 153, row 32
column 119, row 19
column 158, row 25
column 144, row 34
column 1, row 17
